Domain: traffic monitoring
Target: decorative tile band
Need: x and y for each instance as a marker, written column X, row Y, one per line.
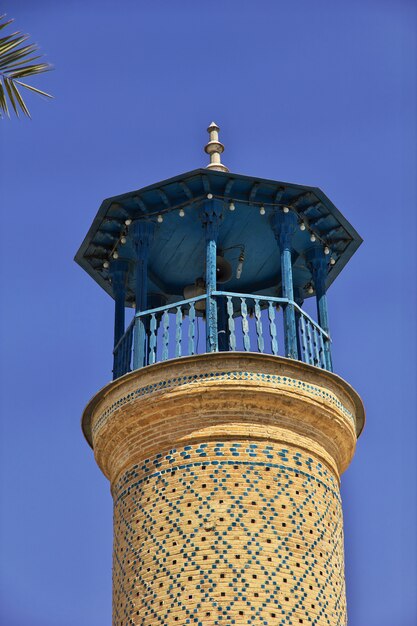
column 172, row 383
column 213, row 464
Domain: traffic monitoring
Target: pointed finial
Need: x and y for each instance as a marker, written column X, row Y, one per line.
column 214, row 148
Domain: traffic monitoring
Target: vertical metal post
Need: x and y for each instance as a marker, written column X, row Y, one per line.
column 142, row 235
column 284, row 225
column 118, row 272
column 223, row 331
column 319, row 266
column 211, row 215
column 298, row 299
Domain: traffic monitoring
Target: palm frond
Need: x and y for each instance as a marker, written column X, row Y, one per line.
column 16, row 62
column 3, row 100
column 10, row 94
column 31, row 88
column 16, row 56
column 12, row 42
column 30, row 70
column 4, row 24
column 19, row 63
column 17, row 97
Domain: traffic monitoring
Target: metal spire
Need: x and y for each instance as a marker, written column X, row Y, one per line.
column 214, row 148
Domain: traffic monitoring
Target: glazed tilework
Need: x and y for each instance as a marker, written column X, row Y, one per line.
column 277, row 380
column 233, row 532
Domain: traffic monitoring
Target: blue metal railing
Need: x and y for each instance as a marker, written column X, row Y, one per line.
column 245, row 322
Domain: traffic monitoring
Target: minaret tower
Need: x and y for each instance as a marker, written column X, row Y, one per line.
column 224, row 432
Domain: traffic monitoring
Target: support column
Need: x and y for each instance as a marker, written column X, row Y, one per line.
column 318, row 264
column 298, row 299
column 142, row 235
column 118, row 272
column 284, row 225
column 211, row 216
column 222, row 324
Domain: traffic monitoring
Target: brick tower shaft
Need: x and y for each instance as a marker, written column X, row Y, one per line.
column 224, row 470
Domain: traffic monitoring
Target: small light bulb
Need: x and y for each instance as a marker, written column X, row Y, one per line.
column 123, row 240
column 286, row 209
column 128, row 222
column 231, row 206
column 115, row 255
column 262, row 210
column 332, row 261
column 106, row 264
column 310, row 289
column 181, row 212
column 326, row 250
column 302, row 226
column 159, row 219
column 209, row 196
column 312, row 237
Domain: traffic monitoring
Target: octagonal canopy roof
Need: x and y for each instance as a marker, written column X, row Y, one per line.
column 177, row 255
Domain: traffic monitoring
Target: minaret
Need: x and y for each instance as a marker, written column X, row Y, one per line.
column 224, row 432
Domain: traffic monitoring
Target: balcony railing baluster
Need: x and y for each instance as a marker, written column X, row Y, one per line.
column 272, row 328
column 303, row 338
column 309, row 343
column 152, row 340
column 178, row 332
column 231, row 324
column 316, row 347
column 322, row 360
column 165, row 336
column 245, row 325
column 191, row 329
column 259, row 334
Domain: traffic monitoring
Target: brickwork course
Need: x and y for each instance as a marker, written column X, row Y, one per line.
column 225, row 472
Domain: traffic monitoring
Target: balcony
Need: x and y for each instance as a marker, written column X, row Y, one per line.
column 236, row 322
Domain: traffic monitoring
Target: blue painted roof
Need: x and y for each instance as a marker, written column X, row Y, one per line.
column 178, row 252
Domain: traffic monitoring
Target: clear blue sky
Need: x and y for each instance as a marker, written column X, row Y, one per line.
column 320, row 93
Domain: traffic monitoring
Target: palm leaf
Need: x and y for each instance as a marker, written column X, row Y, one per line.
column 8, row 37
column 3, row 101
column 19, row 63
column 2, row 17
column 15, row 55
column 11, row 96
column 18, row 98
column 30, row 70
column 31, row 88
column 13, row 42
column 16, row 62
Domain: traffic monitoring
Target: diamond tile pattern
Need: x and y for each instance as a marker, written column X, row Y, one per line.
column 227, row 533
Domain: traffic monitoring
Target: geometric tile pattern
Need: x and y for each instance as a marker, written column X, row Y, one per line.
column 233, row 532
column 274, row 379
